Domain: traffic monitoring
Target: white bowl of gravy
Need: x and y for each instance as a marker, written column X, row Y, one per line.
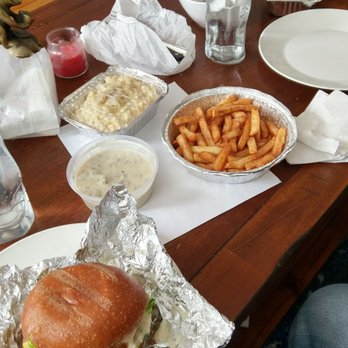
column 109, row 161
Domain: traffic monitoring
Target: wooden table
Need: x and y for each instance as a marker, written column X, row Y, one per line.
column 252, row 261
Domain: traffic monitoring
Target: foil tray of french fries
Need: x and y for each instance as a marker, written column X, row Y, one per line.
column 229, row 134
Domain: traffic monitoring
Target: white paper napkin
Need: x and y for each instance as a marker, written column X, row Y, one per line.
column 322, row 130
column 180, row 201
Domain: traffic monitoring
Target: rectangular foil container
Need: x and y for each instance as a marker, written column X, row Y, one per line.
column 118, row 235
column 270, row 108
column 78, row 96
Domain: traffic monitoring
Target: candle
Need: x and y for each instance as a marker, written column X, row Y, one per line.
column 67, row 52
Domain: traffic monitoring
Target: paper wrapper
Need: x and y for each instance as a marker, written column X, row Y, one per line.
column 28, row 98
column 136, row 34
column 116, row 234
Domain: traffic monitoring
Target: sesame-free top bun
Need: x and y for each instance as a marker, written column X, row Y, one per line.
column 85, row 305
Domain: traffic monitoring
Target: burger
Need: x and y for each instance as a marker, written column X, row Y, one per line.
column 88, row 305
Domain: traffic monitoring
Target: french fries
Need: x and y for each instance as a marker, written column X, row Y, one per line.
column 254, row 122
column 232, row 136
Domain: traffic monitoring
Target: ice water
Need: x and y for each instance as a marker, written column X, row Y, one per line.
column 226, row 22
column 16, row 213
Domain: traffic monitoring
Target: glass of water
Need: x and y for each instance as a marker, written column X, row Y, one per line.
column 16, row 212
column 225, row 29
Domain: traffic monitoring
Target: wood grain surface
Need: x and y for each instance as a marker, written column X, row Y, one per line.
column 252, row 261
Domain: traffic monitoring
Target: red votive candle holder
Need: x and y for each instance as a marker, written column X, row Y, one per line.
column 67, row 52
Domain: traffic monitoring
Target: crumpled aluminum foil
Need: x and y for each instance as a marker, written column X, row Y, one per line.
column 117, row 234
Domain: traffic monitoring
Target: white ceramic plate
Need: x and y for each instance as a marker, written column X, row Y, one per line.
column 309, row 47
column 57, row 241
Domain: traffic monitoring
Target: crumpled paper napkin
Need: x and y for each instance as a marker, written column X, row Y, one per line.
column 322, row 130
column 28, row 97
column 135, row 35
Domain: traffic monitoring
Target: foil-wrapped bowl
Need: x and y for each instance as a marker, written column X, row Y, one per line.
column 271, row 109
column 76, row 100
column 118, row 235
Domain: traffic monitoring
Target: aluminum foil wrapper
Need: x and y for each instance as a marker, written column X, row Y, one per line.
column 118, row 235
column 270, row 109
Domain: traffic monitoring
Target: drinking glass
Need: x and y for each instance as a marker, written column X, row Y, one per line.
column 67, row 52
column 226, row 22
column 16, row 212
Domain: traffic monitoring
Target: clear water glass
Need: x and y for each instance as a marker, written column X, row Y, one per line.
column 16, row 212
column 226, row 23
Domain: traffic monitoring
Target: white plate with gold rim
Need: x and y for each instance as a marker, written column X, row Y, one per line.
column 309, row 47
column 54, row 242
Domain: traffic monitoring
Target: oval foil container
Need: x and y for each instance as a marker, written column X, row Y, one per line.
column 76, row 98
column 118, row 235
column 270, row 109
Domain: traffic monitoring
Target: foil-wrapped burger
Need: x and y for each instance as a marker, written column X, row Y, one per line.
column 88, row 305
column 89, row 301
